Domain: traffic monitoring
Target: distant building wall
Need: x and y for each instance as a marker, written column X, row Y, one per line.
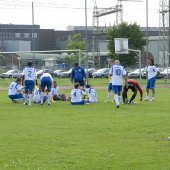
column 17, row 45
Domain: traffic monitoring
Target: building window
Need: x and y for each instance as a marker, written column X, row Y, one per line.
column 26, row 35
column 17, row 35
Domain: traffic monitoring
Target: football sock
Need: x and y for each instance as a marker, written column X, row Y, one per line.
column 132, row 98
column 117, row 99
column 108, row 96
column 49, row 97
column 30, row 98
column 41, row 97
column 25, row 97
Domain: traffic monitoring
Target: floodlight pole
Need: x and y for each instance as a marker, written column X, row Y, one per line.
column 86, row 61
column 138, row 52
column 33, row 43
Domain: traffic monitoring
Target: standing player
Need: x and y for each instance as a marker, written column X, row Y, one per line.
column 134, row 86
column 78, row 75
column 76, row 95
column 118, row 73
column 92, row 97
column 152, row 72
column 46, row 81
column 111, row 62
column 28, row 79
column 15, row 91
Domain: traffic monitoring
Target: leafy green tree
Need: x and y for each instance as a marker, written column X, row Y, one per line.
column 74, row 44
column 135, row 40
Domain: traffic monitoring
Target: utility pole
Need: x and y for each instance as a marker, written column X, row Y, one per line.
column 147, row 36
column 33, row 43
column 169, row 37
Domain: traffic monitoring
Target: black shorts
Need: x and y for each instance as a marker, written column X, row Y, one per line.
column 81, row 82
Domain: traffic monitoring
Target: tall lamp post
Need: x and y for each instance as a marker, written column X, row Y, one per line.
column 147, row 41
column 86, row 61
column 169, row 37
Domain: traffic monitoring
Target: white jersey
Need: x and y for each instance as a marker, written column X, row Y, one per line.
column 76, row 95
column 46, row 75
column 110, row 79
column 37, row 97
column 14, row 88
column 91, row 95
column 54, row 91
column 117, row 72
column 29, row 73
column 152, row 71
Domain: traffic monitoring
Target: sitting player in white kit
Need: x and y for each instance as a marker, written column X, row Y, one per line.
column 76, row 95
column 55, row 93
column 37, row 97
column 92, row 97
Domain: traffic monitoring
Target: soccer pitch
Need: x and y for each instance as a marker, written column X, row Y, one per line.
column 91, row 137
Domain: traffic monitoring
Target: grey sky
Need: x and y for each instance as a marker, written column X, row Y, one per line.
column 58, row 14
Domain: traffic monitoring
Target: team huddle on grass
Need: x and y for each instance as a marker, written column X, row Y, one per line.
column 47, row 90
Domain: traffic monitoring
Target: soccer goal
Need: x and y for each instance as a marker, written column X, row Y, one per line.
column 55, row 59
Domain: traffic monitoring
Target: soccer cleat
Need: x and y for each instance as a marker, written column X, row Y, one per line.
column 117, row 106
column 14, row 101
column 146, row 99
column 25, row 103
column 49, row 104
column 152, row 100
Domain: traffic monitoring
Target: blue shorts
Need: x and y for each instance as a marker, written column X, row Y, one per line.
column 46, row 82
column 78, row 103
column 29, row 85
column 151, row 83
column 16, row 97
column 110, row 87
column 117, row 89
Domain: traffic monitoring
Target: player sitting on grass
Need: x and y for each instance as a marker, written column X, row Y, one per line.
column 92, row 97
column 15, row 91
column 56, row 95
column 37, row 97
column 134, row 86
column 76, row 95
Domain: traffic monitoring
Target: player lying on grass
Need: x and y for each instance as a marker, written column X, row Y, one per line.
column 55, row 93
column 134, row 87
column 15, row 91
column 92, row 97
column 77, row 95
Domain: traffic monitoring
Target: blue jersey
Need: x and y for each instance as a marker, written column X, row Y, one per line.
column 78, row 73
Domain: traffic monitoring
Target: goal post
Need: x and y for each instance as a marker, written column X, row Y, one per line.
column 18, row 59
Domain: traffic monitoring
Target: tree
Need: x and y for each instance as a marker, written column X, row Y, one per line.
column 74, row 44
column 135, row 39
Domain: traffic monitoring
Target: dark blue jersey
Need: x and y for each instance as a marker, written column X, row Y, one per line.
column 78, row 73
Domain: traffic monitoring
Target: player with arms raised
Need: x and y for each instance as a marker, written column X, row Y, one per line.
column 118, row 73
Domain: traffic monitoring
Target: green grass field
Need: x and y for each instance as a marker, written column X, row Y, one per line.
column 90, row 137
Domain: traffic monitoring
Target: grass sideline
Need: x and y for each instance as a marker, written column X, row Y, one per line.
column 91, row 137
